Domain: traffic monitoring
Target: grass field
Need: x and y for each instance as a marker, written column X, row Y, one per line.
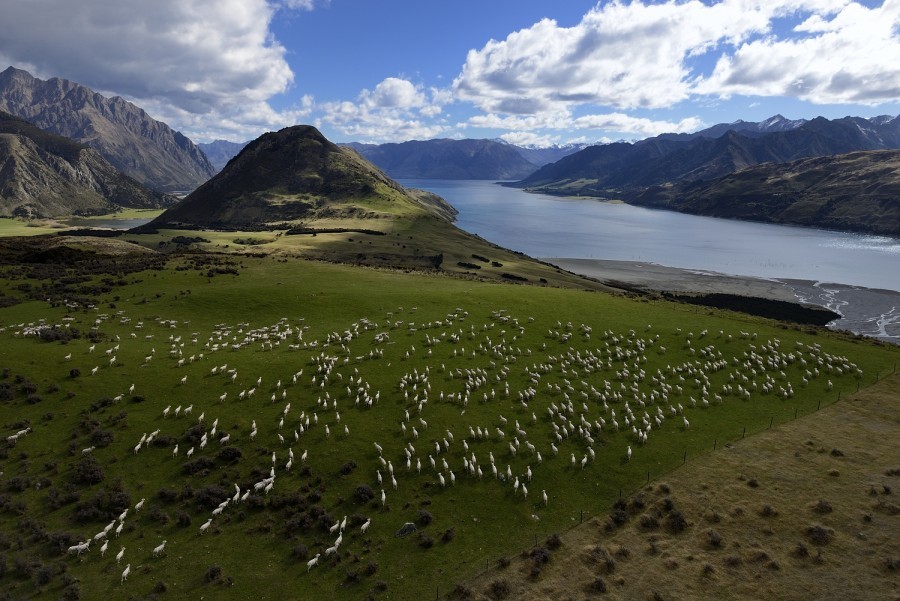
column 805, row 510
column 410, row 361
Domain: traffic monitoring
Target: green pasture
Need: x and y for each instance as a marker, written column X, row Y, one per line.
column 373, row 329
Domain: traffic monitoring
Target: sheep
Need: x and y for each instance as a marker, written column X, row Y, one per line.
column 205, row 526
column 88, row 450
column 119, row 529
column 125, row 573
column 139, row 505
column 312, row 562
column 365, row 526
column 120, row 555
column 628, row 453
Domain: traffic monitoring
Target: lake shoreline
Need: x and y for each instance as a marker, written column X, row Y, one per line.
column 866, row 311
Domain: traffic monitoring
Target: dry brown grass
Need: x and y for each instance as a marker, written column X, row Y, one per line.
column 807, row 510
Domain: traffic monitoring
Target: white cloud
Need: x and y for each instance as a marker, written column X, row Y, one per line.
column 562, row 120
column 850, row 57
column 527, row 138
column 394, row 92
column 396, row 110
column 646, row 55
column 211, row 61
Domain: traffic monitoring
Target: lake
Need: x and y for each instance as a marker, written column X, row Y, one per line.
column 545, row 226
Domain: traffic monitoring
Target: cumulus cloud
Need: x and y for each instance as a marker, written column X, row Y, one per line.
column 852, row 56
column 395, row 110
column 211, row 61
column 620, row 123
column 645, row 55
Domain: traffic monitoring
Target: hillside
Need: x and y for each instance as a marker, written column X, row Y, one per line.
column 138, row 145
column 291, row 176
column 624, row 170
column 857, row 192
column 45, row 175
column 448, row 159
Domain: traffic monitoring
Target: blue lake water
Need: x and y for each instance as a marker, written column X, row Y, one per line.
column 549, row 226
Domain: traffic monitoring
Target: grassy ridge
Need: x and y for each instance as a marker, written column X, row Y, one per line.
column 258, row 545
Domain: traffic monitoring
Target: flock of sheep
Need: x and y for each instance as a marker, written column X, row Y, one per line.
column 526, row 400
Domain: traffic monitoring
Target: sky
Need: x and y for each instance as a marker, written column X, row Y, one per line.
column 529, row 72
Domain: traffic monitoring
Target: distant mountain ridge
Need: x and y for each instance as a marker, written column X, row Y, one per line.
column 139, row 146
column 219, row 152
column 448, row 159
column 45, row 175
column 623, row 170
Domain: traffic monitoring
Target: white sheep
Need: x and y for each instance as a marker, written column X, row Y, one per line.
column 205, row 526
column 365, row 526
column 312, row 562
column 125, row 573
column 139, row 505
column 157, row 551
column 120, row 555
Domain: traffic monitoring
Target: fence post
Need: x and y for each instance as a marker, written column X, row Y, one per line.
column 685, row 458
column 820, row 405
column 715, row 442
column 744, row 433
column 795, row 413
column 772, row 421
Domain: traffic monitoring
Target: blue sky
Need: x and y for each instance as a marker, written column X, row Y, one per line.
column 526, row 71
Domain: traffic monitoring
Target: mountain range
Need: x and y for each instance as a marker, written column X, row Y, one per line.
column 45, row 175
column 858, row 191
column 624, row 170
column 141, row 147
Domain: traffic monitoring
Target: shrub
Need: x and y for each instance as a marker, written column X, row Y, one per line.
column 158, row 515
column 676, row 522
column 823, row 506
column 160, row 587
column 182, row 518
column 300, row 551
column 648, row 521
column 499, row 589
column 200, row 465
column 348, row 467
column 598, row 585
column 714, row 539
column 503, row 562
column 425, row 541
column 364, row 493
column 540, row 555
column 448, row 535
column 213, row 573
column 424, row 517
column 87, row 471
column 554, row 541
column 819, row 534
column 461, row 591
column 371, row 568
column 767, row 511
column 230, row 454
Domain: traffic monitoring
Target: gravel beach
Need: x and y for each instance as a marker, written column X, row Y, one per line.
column 866, row 311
